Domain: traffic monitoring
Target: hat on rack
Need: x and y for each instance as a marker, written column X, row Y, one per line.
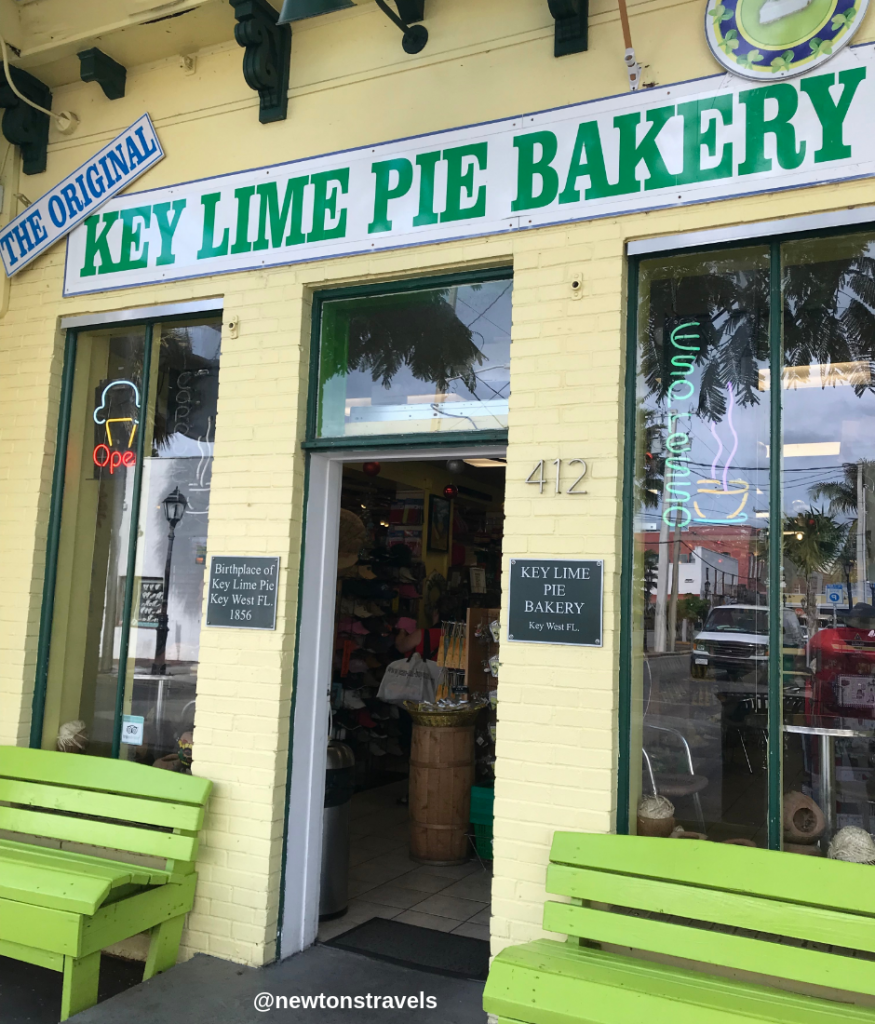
column 352, row 537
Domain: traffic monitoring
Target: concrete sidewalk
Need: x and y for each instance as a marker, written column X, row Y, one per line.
column 206, row 990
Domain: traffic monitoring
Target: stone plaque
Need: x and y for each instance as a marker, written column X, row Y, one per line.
column 243, row 591
column 555, row 601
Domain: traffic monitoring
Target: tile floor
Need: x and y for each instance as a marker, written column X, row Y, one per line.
column 385, row 882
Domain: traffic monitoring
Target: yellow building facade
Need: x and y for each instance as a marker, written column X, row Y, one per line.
column 558, row 746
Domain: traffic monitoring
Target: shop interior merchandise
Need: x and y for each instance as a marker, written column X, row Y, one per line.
column 400, row 572
column 419, row 571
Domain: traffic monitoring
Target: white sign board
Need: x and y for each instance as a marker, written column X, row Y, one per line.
column 133, row 729
column 694, row 142
column 77, row 197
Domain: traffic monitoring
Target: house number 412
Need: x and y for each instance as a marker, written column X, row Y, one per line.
column 538, row 477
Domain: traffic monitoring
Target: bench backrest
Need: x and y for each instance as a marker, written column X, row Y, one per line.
column 755, row 897
column 71, row 796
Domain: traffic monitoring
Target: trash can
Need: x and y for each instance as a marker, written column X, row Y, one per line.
column 333, row 892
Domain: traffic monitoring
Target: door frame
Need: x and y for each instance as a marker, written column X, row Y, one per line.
column 299, row 922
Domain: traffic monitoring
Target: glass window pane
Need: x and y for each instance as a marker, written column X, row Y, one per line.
column 828, row 508
column 159, row 681
column 700, row 626
column 92, row 557
column 431, row 360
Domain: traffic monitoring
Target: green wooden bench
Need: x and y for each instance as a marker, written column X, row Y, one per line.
column 705, row 903
column 59, row 909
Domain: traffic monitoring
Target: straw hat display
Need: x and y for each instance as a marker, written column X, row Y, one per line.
column 352, row 537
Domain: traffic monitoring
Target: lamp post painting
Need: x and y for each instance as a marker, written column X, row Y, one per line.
column 174, row 505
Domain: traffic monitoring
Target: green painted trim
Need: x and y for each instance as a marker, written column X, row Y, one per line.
column 54, row 536
column 362, row 291
column 416, row 284
column 624, row 699
column 450, row 439
column 776, row 597
column 125, row 634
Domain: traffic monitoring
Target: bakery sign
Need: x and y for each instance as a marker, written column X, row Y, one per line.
column 555, row 601
column 691, row 142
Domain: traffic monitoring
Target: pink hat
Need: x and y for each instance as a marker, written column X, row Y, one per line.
column 408, row 625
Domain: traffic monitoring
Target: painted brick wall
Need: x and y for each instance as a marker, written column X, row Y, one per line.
column 557, row 720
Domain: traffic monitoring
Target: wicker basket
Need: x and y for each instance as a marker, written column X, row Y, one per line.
column 428, row 715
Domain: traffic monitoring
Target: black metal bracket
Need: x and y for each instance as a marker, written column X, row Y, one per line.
column 410, row 11
column 22, row 125
column 268, row 53
column 96, row 66
column 415, row 36
column 572, row 26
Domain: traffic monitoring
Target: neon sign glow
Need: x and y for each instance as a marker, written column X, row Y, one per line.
column 105, row 456
column 679, row 445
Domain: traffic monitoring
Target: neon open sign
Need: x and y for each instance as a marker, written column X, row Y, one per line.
column 104, row 456
column 108, row 454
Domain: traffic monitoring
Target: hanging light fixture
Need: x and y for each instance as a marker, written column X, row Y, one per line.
column 297, row 10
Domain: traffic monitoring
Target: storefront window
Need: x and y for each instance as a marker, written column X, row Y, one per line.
column 701, row 608
column 122, row 670
column 432, row 360
column 704, row 703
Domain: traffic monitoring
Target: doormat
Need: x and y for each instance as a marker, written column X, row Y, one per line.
column 412, row 946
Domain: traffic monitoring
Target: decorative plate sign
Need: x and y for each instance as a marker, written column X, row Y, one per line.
column 770, row 39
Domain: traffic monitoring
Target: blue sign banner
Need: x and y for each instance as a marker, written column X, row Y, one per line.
column 56, row 213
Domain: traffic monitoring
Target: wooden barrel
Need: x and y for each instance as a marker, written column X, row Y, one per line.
column 441, row 776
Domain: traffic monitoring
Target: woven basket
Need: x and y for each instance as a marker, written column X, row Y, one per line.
column 444, row 717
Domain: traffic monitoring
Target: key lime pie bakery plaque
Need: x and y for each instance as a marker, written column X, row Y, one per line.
column 771, row 39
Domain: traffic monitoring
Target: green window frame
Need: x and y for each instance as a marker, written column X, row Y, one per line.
column 56, row 505
column 421, row 440
column 625, row 696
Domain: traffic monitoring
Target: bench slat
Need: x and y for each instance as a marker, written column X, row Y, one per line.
column 98, row 833
column 56, row 931
column 30, row 955
column 771, row 916
column 104, row 805
column 117, row 872
column 810, row 881
column 549, row 982
column 97, row 773
column 696, row 944
column 48, row 887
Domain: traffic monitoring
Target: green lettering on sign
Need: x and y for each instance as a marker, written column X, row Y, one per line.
column 96, row 244
column 696, row 137
column 208, row 247
column 587, row 158
column 459, row 181
column 633, row 152
column 528, row 168
column 167, row 226
column 831, row 114
column 758, row 127
column 241, row 234
column 131, row 238
column 383, row 171
column 325, row 204
column 270, row 210
column 426, row 162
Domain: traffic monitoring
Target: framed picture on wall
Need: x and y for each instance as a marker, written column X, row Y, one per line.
column 438, row 523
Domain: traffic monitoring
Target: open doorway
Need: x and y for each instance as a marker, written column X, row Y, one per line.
column 418, row 582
